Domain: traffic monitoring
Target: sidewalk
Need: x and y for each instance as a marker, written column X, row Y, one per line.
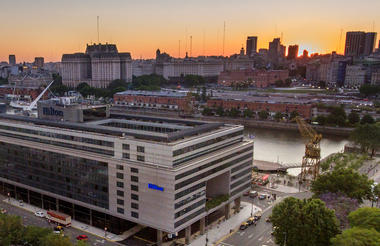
column 219, row 231
column 75, row 224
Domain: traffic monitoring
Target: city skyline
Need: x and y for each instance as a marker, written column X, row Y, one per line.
column 50, row 29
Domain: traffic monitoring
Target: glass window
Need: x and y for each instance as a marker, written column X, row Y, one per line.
column 119, row 175
column 134, row 214
column 120, row 202
column 140, row 149
column 119, row 167
column 120, row 184
column 126, row 156
column 134, row 178
column 125, row 146
column 134, row 187
column 140, row 158
column 134, row 205
column 134, row 197
column 134, row 170
column 120, row 210
column 120, row 193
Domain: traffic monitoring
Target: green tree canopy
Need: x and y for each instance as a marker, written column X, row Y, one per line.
column 193, row 80
column 367, row 136
column 56, row 240
column 294, row 223
column 34, row 235
column 233, row 112
column 278, row 116
column 293, row 115
column 11, row 230
column 220, row 111
column 367, row 119
column 117, row 83
column 248, row 113
column 353, row 118
column 207, row 111
column 365, row 217
column 345, row 181
column 263, row 114
column 357, row 237
column 151, row 82
column 368, row 90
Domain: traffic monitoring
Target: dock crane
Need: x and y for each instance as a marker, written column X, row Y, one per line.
column 311, row 159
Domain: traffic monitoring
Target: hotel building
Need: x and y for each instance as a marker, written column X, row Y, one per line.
column 110, row 172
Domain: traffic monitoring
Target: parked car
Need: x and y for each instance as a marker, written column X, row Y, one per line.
column 244, row 226
column 263, row 196
column 21, row 203
column 39, row 214
column 253, row 194
column 257, row 216
column 82, row 237
column 251, row 221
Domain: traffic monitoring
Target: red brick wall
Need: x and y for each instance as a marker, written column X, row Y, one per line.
column 303, row 109
column 23, row 91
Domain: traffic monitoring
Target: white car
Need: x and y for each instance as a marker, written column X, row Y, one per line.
column 39, row 214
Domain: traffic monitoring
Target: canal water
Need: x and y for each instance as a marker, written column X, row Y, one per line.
column 288, row 146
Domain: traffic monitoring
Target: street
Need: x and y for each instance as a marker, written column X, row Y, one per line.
column 260, row 235
column 30, row 219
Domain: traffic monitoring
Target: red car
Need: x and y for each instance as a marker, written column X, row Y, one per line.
column 82, row 237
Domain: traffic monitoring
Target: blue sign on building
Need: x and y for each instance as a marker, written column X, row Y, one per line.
column 155, row 187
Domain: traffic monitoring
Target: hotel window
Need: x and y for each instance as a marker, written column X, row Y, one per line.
column 120, row 184
column 126, row 156
column 134, row 197
column 134, row 205
column 140, row 158
column 135, row 215
column 120, row 210
column 120, row 202
column 125, row 146
column 120, row 193
column 134, row 170
column 140, row 149
column 119, row 175
column 119, row 167
column 134, row 188
column 134, row 178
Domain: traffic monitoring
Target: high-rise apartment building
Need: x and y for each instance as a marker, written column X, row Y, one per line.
column 276, row 51
column 98, row 66
column 251, row 47
column 359, row 43
column 12, row 60
column 293, row 51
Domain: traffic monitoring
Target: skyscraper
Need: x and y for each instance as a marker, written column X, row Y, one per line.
column 292, row 52
column 12, row 60
column 275, row 51
column 370, row 42
column 39, row 62
column 359, row 43
column 251, row 47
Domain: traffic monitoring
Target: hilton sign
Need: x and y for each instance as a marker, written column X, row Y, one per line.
column 51, row 111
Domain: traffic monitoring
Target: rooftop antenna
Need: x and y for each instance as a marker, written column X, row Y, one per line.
column 224, row 35
column 97, row 18
column 179, row 48
column 191, row 45
column 203, row 42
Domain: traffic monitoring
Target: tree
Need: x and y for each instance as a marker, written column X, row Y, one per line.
column 345, row 181
column 293, row 115
column 321, row 120
column 341, row 204
column 82, row 243
column 367, row 119
column 337, row 116
column 353, row 118
column 294, row 222
column 11, row 230
column 193, row 80
column 117, row 83
column 207, row 111
column 369, row 90
column 234, row 112
column 357, row 237
column 34, row 235
column 152, row 82
column 204, row 94
column 263, row 114
column 278, row 116
column 248, row 113
column 367, row 136
column 365, row 217
column 56, row 240
column 220, row 111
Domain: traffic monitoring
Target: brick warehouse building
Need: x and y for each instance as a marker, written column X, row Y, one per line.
column 152, row 99
column 304, row 110
column 24, row 92
column 257, row 78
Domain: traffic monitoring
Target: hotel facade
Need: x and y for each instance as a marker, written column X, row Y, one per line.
column 156, row 172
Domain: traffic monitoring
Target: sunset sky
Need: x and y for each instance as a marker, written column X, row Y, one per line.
column 50, row 28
